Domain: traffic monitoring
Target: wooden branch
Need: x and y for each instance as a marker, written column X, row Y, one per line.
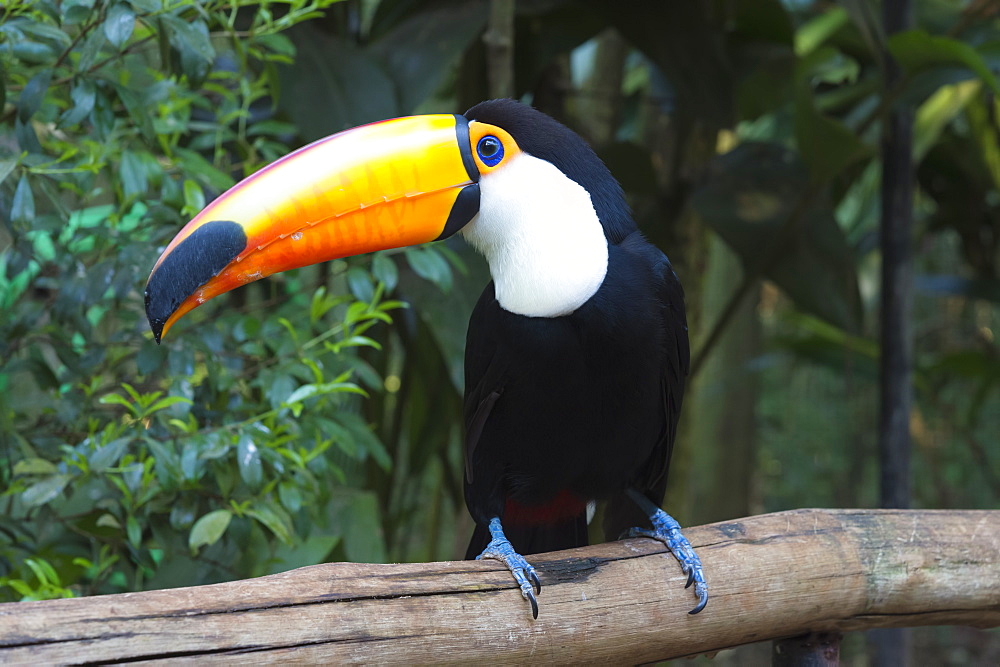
column 770, row 576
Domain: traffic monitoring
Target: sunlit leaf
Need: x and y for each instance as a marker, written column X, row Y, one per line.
column 938, row 111
column 34, row 466
column 45, row 490
column 209, row 529
column 248, row 459
column 166, row 402
column 194, row 198
column 119, row 24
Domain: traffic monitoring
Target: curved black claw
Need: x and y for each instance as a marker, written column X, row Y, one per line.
column 702, row 601
column 538, row 586
column 534, row 604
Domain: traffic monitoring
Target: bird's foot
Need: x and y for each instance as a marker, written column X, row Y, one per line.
column 501, row 549
column 668, row 531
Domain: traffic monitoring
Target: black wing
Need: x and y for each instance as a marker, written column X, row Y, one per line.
column 622, row 513
column 483, row 383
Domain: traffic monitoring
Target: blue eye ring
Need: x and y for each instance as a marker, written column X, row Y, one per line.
column 490, row 150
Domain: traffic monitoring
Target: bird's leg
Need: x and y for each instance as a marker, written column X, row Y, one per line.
column 667, row 530
column 501, row 549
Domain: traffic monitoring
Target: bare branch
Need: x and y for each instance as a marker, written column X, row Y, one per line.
column 776, row 575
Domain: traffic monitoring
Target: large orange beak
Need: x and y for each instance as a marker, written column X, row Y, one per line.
column 396, row 183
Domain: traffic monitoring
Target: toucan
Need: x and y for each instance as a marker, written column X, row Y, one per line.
column 577, row 351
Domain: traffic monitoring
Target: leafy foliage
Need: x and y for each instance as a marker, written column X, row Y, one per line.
column 124, row 465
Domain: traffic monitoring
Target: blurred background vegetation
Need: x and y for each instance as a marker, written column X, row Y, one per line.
column 316, row 415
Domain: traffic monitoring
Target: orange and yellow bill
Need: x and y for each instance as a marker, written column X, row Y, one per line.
column 385, row 185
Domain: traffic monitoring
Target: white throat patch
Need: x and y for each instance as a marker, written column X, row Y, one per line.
column 540, row 234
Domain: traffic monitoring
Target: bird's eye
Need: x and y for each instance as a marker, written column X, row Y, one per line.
column 490, row 150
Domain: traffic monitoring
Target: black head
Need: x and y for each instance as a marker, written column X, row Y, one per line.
column 547, row 139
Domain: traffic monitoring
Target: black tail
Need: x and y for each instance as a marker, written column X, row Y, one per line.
column 535, row 539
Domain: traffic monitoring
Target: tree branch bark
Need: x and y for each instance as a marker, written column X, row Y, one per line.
column 770, row 576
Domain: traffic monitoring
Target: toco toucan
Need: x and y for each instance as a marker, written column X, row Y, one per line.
column 577, row 351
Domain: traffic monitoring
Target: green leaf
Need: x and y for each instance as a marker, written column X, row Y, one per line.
column 108, row 455
column 430, row 265
column 34, row 466
column 827, row 146
column 271, row 127
column 90, row 51
column 147, row 5
column 194, row 198
column 290, row 495
column 209, row 529
column 22, row 208
column 323, row 388
column 75, row 13
column 134, row 531
column 280, row 526
column 133, row 175
column 183, row 513
column 248, row 458
column 83, row 96
column 6, row 167
column 43, row 571
column 364, row 437
column 45, row 249
column 33, row 94
column 916, row 50
column 44, row 491
column 196, row 165
column 165, row 403
column 118, row 399
column 34, row 53
column 816, row 31
column 384, row 269
column 192, row 43
column 138, row 110
column 119, row 24
column 359, row 281
column 938, row 111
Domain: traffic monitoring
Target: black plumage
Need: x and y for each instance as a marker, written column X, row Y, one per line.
column 563, row 410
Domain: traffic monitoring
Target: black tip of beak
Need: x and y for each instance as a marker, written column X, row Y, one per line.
column 155, row 323
column 195, row 261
